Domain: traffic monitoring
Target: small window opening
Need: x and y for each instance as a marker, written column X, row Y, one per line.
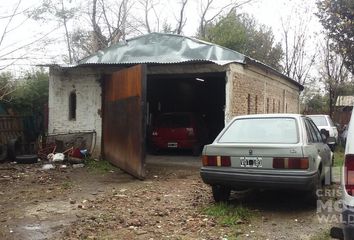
column 249, row 104
column 72, row 106
column 256, row 104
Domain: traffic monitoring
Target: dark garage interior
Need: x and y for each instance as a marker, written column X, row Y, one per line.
column 202, row 94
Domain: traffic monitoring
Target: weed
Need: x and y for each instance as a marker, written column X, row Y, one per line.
column 228, row 215
column 100, row 165
column 321, row 236
column 67, row 185
column 338, row 156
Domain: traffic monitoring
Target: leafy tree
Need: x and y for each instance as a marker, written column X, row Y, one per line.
column 337, row 17
column 346, row 89
column 7, row 86
column 206, row 17
column 333, row 74
column 31, row 93
column 316, row 104
column 241, row 33
column 29, row 99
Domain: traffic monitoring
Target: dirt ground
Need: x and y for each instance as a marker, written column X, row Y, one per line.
column 89, row 203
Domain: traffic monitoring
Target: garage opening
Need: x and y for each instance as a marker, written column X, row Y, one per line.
column 175, row 101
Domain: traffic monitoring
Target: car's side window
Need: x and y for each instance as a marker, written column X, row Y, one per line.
column 308, row 131
column 316, row 136
column 313, row 132
column 316, row 131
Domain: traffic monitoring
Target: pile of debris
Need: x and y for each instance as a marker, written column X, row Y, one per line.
column 52, row 151
column 72, row 155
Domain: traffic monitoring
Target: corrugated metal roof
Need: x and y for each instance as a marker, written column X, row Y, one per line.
column 161, row 48
column 345, row 101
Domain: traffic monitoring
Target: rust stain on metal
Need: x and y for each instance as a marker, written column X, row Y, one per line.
column 123, row 120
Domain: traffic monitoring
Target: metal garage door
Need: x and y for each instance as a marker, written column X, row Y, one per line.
column 124, row 120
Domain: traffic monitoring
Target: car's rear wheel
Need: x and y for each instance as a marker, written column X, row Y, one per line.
column 221, row 193
column 312, row 195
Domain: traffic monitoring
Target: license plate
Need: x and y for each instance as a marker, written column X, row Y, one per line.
column 172, row 145
column 255, row 162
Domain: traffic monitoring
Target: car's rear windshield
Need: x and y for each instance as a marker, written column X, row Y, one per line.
column 261, row 130
column 174, row 121
column 319, row 120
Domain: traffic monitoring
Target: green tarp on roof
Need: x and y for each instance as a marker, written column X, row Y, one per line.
column 163, row 48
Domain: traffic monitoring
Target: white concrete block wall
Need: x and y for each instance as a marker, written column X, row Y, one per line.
column 88, row 105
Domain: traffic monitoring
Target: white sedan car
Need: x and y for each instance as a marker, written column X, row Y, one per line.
column 325, row 122
column 267, row 151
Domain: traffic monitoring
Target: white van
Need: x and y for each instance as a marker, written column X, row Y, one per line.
column 347, row 185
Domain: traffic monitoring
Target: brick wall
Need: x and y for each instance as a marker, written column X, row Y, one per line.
column 248, row 90
column 253, row 91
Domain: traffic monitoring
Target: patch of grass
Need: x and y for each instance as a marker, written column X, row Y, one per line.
column 100, row 165
column 228, row 215
column 338, row 156
column 67, row 185
column 321, row 236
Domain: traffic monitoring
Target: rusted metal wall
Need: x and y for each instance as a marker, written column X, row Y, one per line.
column 342, row 117
column 81, row 140
column 123, row 120
column 11, row 127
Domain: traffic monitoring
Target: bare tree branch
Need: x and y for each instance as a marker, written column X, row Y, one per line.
column 206, row 8
column 297, row 61
column 9, row 22
column 333, row 74
column 67, row 37
column 100, row 41
column 147, row 8
column 157, row 17
column 181, row 21
column 104, row 12
column 28, row 44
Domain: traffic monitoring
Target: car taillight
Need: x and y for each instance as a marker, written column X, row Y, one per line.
column 349, row 174
column 291, row 163
column 217, row 161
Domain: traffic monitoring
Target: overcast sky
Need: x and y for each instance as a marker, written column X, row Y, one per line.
column 268, row 12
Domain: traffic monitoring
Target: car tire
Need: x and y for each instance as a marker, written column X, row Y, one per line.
column 13, row 148
column 221, row 193
column 3, row 153
column 27, row 159
column 312, row 195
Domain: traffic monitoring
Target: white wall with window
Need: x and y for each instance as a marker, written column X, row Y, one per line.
column 75, row 104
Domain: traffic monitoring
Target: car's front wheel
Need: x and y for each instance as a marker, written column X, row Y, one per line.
column 221, row 193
